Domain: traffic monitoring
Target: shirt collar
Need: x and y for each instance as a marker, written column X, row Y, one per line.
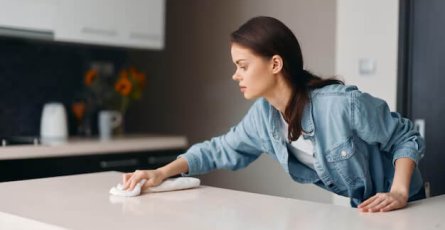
column 307, row 123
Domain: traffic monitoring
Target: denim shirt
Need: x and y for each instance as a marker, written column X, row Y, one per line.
column 355, row 136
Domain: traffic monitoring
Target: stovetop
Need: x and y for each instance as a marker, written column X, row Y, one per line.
column 19, row 140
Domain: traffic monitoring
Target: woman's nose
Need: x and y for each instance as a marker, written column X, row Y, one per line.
column 235, row 77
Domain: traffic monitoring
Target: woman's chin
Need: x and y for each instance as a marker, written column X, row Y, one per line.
column 249, row 97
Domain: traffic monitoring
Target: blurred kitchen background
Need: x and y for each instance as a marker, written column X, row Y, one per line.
column 189, row 88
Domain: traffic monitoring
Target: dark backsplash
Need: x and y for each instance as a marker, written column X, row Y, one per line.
column 34, row 72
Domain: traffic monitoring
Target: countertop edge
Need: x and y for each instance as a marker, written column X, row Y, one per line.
column 78, row 147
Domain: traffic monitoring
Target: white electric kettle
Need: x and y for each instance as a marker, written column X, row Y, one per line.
column 53, row 125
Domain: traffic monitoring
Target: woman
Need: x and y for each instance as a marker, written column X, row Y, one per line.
column 320, row 131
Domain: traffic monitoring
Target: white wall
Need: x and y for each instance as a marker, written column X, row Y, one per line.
column 368, row 29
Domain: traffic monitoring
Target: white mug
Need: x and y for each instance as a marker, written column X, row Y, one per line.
column 108, row 120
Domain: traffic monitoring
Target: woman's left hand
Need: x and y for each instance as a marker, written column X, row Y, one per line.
column 384, row 202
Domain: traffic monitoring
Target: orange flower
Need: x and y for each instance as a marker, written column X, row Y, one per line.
column 138, row 77
column 123, row 86
column 78, row 109
column 90, row 75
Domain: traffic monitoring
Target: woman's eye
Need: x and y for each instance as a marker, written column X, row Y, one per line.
column 243, row 67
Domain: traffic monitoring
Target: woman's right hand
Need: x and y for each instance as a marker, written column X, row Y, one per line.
column 153, row 177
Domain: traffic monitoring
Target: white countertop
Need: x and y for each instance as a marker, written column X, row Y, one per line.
column 77, row 146
column 83, row 202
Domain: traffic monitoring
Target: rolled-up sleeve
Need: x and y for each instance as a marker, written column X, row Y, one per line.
column 374, row 123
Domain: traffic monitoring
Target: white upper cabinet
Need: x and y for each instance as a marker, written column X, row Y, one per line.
column 128, row 23
column 123, row 23
column 142, row 22
column 88, row 21
column 32, row 15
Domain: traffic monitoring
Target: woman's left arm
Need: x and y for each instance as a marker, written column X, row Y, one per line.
column 374, row 123
column 398, row 196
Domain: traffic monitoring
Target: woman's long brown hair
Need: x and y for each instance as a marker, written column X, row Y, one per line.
column 267, row 36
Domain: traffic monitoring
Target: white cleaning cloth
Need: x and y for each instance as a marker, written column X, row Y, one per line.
column 176, row 184
column 120, row 191
column 168, row 185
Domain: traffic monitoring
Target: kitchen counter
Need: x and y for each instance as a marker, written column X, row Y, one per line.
column 78, row 146
column 77, row 156
column 83, row 202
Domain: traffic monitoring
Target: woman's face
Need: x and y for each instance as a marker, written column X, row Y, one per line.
column 254, row 73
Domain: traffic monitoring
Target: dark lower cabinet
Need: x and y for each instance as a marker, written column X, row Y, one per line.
column 22, row 169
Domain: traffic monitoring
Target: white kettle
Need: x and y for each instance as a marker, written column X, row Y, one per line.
column 53, row 125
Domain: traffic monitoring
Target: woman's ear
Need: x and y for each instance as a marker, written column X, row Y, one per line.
column 277, row 64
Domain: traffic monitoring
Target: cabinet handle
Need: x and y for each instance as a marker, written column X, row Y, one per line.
column 144, row 36
column 97, row 31
column 427, row 186
column 160, row 159
column 119, row 163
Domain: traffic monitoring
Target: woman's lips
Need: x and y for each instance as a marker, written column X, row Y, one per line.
column 242, row 88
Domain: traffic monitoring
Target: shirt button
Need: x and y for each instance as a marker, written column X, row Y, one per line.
column 343, row 153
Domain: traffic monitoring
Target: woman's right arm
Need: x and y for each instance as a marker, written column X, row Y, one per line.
column 234, row 150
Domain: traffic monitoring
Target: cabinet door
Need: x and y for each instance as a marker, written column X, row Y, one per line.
column 127, row 23
column 89, row 21
column 34, row 15
column 143, row 23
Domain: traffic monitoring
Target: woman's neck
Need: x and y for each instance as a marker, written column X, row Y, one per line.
column 279, row 96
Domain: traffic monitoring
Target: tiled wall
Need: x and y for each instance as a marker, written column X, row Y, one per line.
column 34, row 72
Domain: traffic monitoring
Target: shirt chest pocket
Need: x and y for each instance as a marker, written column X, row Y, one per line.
column 347, row 164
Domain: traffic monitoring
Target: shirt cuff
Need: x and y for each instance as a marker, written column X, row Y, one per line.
column 190, row 162
column 406, row 152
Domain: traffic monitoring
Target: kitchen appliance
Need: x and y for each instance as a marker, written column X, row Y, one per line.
column 53, row 125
